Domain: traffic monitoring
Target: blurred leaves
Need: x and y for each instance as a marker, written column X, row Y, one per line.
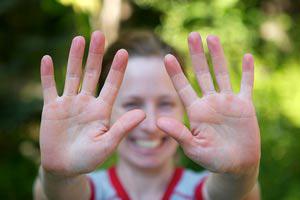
column 90, row 6
column 268, row 29
column 29, row 29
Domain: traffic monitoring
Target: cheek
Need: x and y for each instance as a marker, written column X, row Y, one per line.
column 173, row 146
column 177, row 113
column 122, row 146
column 116, row 113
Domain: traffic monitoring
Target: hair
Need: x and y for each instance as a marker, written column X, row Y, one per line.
column 142, row 43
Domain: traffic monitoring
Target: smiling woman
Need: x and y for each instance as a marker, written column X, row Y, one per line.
column 148, row 87
column 146, row 150
column 139, row 112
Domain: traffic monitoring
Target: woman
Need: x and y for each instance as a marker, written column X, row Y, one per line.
column 139, row 113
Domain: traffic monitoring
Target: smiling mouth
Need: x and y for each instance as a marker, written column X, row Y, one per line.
column 148, row 144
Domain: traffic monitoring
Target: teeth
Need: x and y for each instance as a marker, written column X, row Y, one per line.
column 147, row 143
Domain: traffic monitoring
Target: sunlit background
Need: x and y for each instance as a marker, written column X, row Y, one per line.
column 269, row 29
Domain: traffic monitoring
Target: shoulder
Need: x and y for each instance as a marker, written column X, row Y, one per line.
column 101, row 185
column 189, row 185
column 193, row 176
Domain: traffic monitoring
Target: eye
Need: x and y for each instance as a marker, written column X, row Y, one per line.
column 166, row 104
column 132, row 105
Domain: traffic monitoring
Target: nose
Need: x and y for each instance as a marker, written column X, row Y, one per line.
column 149, row 123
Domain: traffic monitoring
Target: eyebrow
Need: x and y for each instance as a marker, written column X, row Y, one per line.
column 139, row 97
column 132, row 97
column 166, row 96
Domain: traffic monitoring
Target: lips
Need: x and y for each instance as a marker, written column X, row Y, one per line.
column 148, row 143
column 147, row 146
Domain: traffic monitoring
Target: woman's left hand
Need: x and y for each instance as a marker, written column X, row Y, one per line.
column 224, row 134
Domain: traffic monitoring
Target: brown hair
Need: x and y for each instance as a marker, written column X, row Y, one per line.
column 137, row 43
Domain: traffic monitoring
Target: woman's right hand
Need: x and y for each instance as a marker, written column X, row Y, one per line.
column 75, row 136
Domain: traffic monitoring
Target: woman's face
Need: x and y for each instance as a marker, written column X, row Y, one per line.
column 147, row 86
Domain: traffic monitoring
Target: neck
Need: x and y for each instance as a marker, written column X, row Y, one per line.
column 145, row 183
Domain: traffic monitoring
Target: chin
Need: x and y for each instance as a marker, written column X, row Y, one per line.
column 147, row 164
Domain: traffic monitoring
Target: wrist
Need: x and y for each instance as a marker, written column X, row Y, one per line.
column 234, row 185
column 245, row 172
column 57, row 186
column 53, row 178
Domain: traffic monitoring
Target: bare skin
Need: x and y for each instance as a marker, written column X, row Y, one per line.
column 145, row 172
column 76, row 135
column 224, row 135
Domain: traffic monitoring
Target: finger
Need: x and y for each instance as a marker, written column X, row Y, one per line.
column 180, row 82
column 175, row 129
column 200, row 63
column 219, row 63
column 93, row 64
column 247, row 76
column 74, row 66
column 124, row 124
column 114, row 78
column 47, row 78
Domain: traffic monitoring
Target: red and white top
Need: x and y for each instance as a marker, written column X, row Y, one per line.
column 184, row 185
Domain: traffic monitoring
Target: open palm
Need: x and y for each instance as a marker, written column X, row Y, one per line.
column 224, row 134
column 75, row 135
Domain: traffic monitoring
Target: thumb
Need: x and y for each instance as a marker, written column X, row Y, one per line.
column 175, row 129
column 124, row 124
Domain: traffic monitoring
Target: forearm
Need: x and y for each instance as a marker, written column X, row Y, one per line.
column 228, row 186
column 50, row 187
column 254, row 194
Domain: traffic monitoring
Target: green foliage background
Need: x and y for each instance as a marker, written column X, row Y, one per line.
column 269, row 29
